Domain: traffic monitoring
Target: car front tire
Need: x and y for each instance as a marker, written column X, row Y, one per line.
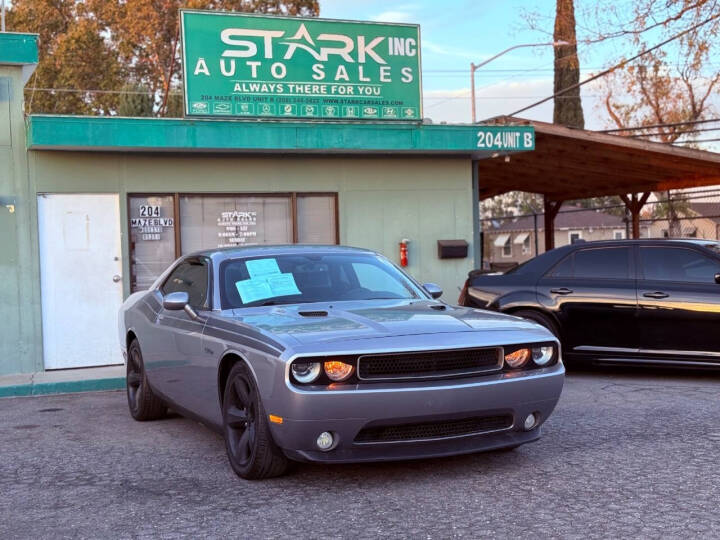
column 540, row 318
column 252, row 453
column 142, row 402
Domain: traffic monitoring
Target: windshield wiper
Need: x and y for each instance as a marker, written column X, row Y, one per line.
column 276, row 303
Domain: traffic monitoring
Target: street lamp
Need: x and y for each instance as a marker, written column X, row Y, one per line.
column 474, row 67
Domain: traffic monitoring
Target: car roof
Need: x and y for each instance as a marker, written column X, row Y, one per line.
column 276, row 249
column 640, row 241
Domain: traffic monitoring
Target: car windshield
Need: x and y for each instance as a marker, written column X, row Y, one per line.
column 301, row 278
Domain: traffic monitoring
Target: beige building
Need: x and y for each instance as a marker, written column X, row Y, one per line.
column 701, row 220
column 515, row 240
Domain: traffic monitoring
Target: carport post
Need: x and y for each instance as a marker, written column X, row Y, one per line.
column 551, row 210
column 634, row 204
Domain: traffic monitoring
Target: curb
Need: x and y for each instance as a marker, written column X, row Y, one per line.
column 62, row 387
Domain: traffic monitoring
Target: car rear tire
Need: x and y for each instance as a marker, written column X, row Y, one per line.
column 142, row 402
column 540, row 318
column 252, row 453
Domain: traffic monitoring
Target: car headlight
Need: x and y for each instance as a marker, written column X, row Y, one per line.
column 543, row 355
column 338, row 371
column 517, row 358
column 306, row 372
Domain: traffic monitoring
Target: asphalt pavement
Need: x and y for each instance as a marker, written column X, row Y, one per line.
column 626, row 454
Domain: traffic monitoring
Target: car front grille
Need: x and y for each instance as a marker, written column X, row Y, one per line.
column 429, row 364
column 434, row 430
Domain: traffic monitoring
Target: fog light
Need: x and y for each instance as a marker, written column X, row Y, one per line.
column 325, row 441
column 530, row 422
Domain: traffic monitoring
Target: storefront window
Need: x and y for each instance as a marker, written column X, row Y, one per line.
column 212, row 221
column 316, row 219
column 152, row 238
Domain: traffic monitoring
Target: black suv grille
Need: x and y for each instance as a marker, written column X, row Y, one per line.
column 429, row 364
column 434, row 430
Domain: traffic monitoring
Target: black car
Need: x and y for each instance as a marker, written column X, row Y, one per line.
column 630, row 301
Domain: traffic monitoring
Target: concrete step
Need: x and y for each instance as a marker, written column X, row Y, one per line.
column 63, row 381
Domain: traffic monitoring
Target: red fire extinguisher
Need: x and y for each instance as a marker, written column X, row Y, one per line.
column 404, row 252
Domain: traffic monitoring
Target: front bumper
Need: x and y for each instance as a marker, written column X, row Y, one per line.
column 344, row 412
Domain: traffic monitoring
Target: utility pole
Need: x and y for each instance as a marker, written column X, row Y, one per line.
column 2, row 15
column 474, row 67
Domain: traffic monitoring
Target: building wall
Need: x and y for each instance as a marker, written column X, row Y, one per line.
column 698, row 227
column 381, row 200
column 494, row 253
column 20, row 346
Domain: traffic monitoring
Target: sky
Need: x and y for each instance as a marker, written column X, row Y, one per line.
column 455, row 33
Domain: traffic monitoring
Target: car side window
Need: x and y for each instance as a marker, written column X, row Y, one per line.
column 564, row 268
column 677, row 264
column 190, row 277
column 598, row 263
column 607, row 263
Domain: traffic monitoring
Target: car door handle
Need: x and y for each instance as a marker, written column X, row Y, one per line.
column 561, row 290
column 656, row 294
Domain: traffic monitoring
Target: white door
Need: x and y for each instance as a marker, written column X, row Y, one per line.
column 80, row 276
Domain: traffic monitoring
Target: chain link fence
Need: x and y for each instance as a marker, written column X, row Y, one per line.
column 513, row 233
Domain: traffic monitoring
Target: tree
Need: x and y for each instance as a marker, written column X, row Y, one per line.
column 75, row 58
column 150, row 35
column 91, row 45
column 513, row 203
column 135, row 100
column 671, row 87
column 567, row 107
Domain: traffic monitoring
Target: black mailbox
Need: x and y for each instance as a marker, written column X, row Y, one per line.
column 452, row 249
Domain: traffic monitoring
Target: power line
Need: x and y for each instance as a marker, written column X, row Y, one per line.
column 617, row 66
column 680, row 133
column 70, row 90
column 667, row 124
column 138, row 92
column 695, row 141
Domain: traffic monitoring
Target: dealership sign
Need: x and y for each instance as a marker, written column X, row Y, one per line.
column 240, row 65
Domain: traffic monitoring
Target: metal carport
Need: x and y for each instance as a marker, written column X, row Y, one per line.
column 570, row 164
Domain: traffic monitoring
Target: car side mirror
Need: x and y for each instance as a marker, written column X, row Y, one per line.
column 717, row 278
column 176, row 301
column 433, row 290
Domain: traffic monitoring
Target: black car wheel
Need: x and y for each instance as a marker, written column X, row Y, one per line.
column 251, row 450
column 143, row 404
column 541, row 319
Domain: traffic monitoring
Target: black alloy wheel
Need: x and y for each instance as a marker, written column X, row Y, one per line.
column 142, row 402
column 251, row 450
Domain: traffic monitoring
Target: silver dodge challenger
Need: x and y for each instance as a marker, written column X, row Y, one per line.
column 331, row 354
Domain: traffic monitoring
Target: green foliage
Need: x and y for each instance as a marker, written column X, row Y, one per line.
column 612, row 204
column 514, row 203
column 88, row 46
column 135, row 100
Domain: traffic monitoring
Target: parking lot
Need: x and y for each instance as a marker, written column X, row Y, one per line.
column 627, row 454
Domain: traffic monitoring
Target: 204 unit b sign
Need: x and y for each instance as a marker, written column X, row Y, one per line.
column 241, row 65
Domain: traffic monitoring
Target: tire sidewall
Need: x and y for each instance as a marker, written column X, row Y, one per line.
column 240, row 369
column 135, row 410
column 541, row 319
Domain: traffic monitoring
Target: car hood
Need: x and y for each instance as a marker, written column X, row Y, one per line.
column 323, row 322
